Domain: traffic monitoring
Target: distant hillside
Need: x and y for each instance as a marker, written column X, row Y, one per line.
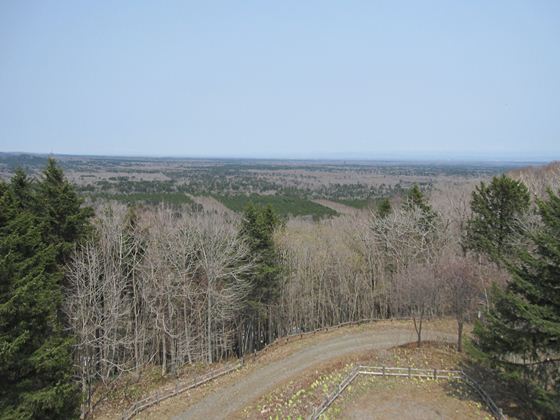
column 539, row 178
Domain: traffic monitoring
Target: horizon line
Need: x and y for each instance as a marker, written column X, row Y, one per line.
column 384, row 157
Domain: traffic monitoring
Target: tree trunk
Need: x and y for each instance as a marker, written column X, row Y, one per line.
column 209, row 327
column 418, row 326
column 459, row 336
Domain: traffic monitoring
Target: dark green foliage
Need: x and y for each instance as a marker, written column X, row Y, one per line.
column 282, row 205
column 496, row 211
column 38, row 225
column 257, row 229
column 171, row 198
column 356, row 203
column 65, row 220
column 384, row 208
column 520, row 335
column 415, row 200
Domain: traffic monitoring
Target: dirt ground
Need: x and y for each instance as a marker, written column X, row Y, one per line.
column 291, row 378
column 405, row 399
column 372, row 397
column 231, row 396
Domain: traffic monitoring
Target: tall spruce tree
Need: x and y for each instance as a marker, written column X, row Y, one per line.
column 257, row 229
column 416, row 200
column 66, row 221
column 520, row 335
column 384, row 208
column 497, row 209
column 36, row 363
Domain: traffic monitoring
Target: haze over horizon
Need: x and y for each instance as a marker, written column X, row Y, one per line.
column 324, row 80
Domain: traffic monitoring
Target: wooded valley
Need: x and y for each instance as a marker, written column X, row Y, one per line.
column 124, row 286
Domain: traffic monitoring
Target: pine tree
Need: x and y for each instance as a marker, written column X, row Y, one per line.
column 39, row 226
column 66, row 220
column 497, row 209
column 415, row 197
column 384, row 208
column 521, row 333
column 415, row 200
column 257, row 229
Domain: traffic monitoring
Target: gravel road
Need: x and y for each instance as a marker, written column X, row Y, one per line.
column 226, row 401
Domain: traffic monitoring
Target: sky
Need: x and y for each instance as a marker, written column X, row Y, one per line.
column 282, row 79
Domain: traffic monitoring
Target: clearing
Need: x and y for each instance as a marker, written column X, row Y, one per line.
column 228, row 396
column 406, row 399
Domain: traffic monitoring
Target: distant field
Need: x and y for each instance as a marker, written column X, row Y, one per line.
column 291, row 187
column 370, row 203
column 172, row 198
column 283, row 205
column 358, row 203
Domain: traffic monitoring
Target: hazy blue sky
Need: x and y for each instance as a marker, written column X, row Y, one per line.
column 282, row 78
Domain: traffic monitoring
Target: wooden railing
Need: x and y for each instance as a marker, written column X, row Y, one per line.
column 407, row 372
column 159, row 396
column 289, row 337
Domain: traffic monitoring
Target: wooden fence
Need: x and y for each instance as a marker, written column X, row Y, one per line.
column 407, row 372
column 288, row 337
column 157, row 397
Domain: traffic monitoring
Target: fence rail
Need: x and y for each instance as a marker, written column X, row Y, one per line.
column 407, row 372
column 156, row 398
column 287, row 337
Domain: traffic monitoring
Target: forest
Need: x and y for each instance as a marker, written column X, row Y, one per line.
column 95, row 290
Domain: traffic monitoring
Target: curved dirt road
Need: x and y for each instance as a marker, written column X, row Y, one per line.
column 227, row 400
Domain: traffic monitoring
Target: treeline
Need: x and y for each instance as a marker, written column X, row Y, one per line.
column 167, row 288
column 491, row 256
column 101, row 297
column 158, row 286
column 393, row 262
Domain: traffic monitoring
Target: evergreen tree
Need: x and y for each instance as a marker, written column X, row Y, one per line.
column 496, row 211
column 66, row 221
column 384, row 208
column 415, row 197
column 521, row 333
column 257, row 229
column 39, row 224
column 415, row 200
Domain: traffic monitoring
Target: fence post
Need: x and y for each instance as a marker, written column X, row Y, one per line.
column 409, row 373
column 435, row 374
column 383, row 371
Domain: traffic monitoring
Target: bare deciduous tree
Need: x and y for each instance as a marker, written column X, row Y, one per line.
column 463, row 288
column 158, row 287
